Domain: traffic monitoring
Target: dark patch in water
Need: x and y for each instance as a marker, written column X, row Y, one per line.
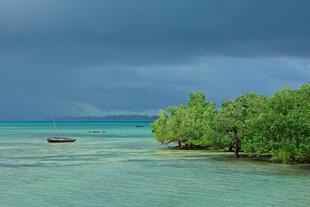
column 22, row 165
column 37, row 165
column 138, row 160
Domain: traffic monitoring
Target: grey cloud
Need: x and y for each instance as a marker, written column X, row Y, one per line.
column 118, row 88
column 152, row 31
column 142, row 55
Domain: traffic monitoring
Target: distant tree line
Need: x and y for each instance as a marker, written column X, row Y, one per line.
column 121, row 118
column 277, row 127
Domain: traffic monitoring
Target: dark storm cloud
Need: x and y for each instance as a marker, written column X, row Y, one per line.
column 145, row 30
column 75, row 57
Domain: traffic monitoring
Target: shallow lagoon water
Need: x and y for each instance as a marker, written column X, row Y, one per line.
column 125, row 166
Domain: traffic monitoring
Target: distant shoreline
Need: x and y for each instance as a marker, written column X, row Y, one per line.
column 133, row 123
column 98, row 121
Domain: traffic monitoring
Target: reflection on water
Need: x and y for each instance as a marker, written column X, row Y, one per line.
column 126, row 167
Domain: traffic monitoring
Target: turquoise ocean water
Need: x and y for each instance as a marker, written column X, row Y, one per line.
column 126, row 167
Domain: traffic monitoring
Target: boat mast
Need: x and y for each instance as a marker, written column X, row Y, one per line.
column 54, row 123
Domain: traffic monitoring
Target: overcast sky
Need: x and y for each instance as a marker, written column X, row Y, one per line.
column 97, row 57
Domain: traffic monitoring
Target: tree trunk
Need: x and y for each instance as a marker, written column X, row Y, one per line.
column 236, row 140
column 187, row 147
column 179, row 147
column 293, row 159
column 236, row 149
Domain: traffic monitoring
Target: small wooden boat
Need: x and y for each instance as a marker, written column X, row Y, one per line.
column 139, row 126
column 95, row 131
column 59, row 139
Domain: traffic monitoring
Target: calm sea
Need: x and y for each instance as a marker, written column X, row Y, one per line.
column 125, row 166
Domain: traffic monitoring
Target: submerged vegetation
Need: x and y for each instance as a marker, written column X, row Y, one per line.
column 277, row 127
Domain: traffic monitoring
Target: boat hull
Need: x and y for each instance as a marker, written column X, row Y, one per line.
column 59, row 140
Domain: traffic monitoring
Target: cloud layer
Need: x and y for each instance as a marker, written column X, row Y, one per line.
column 142, row 55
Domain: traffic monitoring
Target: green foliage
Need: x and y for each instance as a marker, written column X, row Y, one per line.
column 233, row 119
column 278, row 126
column 159, row 127
column 283, row 127
column 196, row 99
column 186, row 124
